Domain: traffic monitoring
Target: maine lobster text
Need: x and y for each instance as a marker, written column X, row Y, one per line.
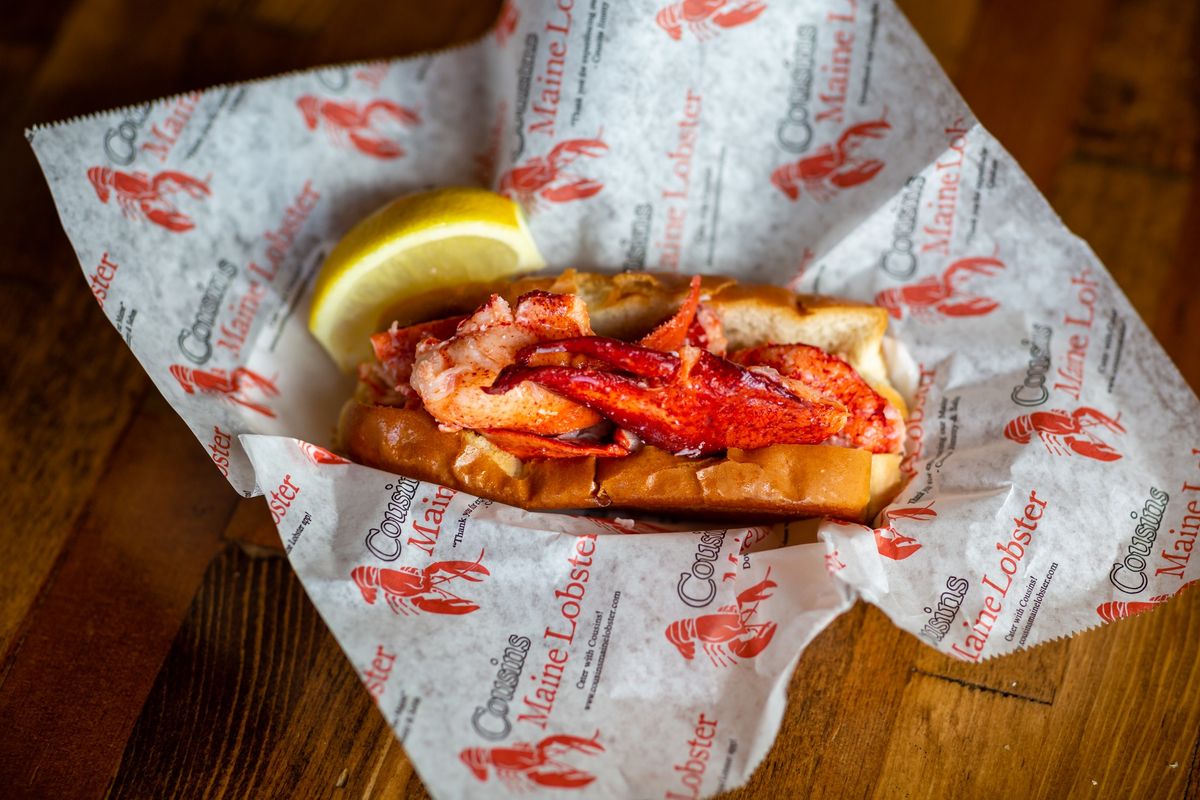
column 997, row 584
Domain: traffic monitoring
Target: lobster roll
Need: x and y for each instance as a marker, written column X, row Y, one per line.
column 639, row 391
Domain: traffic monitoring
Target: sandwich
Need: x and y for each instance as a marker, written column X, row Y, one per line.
column 638, row 391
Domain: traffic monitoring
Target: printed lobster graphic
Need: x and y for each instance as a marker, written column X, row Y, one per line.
column 895, row 545
column 230, row 386
column 945, row 295
column 525, row 766
column 506, row 22
column 359, row 124
column 729, row 629
column 423, row 589
column 319, row 455
column 701, row 15
column 140, row 195
column 1120, row 609
column 1066, row 433
column 833, row 167
column 373, row 73
column 546, row 177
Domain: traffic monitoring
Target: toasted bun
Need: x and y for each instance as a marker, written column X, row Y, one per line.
column 778, row 481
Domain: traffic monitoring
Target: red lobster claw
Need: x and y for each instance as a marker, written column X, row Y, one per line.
column 875, row 129
column 860, row 174
column 749, row 648
column 897, row 546
column 974, row 307
column 960, row 270
column 758, row 592
column 169, row 219
column 566, row 152
column 560, row 777
column 443, row 605
column 468, row 570
column 578, row 190
column 741, row 15
column 376, row 146
column 1091, row 449
column 693, row 403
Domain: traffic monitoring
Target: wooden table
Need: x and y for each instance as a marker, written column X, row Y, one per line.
column 153, row 640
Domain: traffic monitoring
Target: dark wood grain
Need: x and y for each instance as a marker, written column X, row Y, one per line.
column 233, row 710
column 91, row 646
column 225, row 683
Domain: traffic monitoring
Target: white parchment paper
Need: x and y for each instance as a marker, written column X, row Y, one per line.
column 1053, row 452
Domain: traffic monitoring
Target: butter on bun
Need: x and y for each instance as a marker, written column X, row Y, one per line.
column 640, row 391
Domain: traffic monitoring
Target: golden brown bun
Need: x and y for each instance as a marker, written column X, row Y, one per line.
column 788, row 480
column 778, row 481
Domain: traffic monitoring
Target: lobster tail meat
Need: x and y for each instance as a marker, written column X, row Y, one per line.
column 691, row 404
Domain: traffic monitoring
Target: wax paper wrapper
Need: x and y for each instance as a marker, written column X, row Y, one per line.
column 1052, row 455
column 516, row 651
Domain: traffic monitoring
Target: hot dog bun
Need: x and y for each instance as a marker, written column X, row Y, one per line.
column 777, row 481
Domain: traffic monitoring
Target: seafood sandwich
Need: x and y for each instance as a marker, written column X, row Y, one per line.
column 639, row 391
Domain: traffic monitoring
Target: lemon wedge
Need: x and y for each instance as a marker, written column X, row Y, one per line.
column 412, row 258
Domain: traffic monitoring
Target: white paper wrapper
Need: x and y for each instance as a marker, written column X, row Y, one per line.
column 1053, row 449
column 522, row 651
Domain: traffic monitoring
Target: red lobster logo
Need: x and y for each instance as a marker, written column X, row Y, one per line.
column 932, row 295
column 422, row 589
column 140, row 195
column 546, row 177
column 729, row 628
column 1064, row 433
column 1120, row 609
column 895, row 545
column 506, row 22
column 833, row 167
column 701, row 15
column 319, row 455
column 359, row 124
column 523, row 765
column 231, row 386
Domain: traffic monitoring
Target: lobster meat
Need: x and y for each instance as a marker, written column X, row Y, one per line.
column 701, row 15
column 873, row 423
column 1120, row 609
column 140, row 195
column 359, row 124
column 524, row 765
column 1065, row 433
column 727, row 631
column 933, row 295
column 833, row 167
column 228, row 385
column 546, row 177
column 691, row 403
column 422, row 589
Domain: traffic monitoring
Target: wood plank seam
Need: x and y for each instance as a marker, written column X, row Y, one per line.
column 1080, row 156
column 980, row 687
column 1193, row 770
